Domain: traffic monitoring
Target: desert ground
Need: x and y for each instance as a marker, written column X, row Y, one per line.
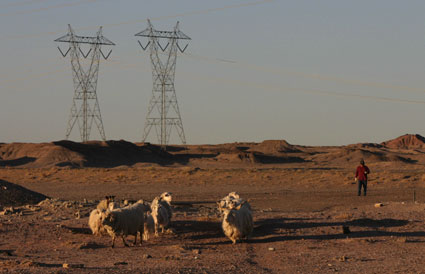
column 307, row 215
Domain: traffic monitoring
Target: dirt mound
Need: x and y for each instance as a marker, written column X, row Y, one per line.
column 352, row 155
column 15, row 195
column 236, row 157
column 116, row 153
column 223, row 148
column 257, row 157
column 88, row 154
column 37, row 155
column 407, row 141
column 275, row 147
column 365, row 145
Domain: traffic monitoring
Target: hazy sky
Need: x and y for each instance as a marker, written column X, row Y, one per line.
column 316, row 72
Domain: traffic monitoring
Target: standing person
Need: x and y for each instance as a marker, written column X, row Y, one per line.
column 361, row 177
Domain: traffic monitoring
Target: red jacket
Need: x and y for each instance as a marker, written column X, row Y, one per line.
column 362, row 172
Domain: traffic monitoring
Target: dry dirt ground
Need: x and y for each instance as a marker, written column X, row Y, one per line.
column 299, row 216
column 308, row 217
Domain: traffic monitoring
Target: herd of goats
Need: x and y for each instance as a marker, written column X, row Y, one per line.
column 147, row 218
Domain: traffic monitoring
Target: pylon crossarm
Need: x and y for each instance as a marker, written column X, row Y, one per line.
column 71, row 37
column 163, row 34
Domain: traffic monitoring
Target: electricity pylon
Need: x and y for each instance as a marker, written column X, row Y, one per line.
column 85, row 107
column 163, row 110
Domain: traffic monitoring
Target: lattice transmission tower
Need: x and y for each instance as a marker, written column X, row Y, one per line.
column 163, row 111
column 85, row 107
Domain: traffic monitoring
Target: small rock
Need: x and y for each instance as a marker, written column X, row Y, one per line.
column 170, row 231
column 402, row 240
column 126, row 202
column 272, row 249
column 42, row 202
column 28, row 263
column 121, row 263
column 65, row 265
column 147, row 256
column 196, row 251
column 343, row 259
column 379, row 205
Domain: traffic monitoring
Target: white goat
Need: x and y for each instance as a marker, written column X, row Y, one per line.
column 165, row 200
column 161, row 211
column 95, row 222
column 237, row 222
column 95, row 219
column 231, row 199
column 104, row 204
column 149, row 226
column 125, row 221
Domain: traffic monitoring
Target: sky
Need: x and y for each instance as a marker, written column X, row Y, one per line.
column 326, row 72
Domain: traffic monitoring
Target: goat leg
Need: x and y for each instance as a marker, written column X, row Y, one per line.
column 113, row 241
column 123, row 240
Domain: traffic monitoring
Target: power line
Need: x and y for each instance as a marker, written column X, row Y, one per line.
column 126, row 65
column 313, row 76
column 137, row 21
column 311, row 91
column 22, row 3
column 65, row 5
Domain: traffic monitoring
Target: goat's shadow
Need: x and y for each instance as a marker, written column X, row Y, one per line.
column 78, row 230
column 270, row 230
column 272, row 227
column 198, row 230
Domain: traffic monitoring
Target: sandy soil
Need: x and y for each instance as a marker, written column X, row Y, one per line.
column 300, row 211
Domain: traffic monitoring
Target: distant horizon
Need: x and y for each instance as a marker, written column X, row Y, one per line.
column 235, row 142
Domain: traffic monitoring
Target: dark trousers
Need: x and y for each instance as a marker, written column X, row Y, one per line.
column 359, row 187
